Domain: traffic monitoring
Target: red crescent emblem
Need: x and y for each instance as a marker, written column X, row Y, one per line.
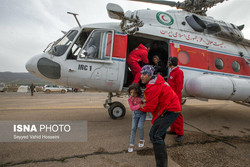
column 163, row 17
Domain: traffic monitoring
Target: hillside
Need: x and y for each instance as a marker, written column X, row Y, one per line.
column 20, row 78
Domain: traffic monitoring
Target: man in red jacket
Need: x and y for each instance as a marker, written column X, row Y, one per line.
column 164, row 105
column 175, row 80
column 138, row 54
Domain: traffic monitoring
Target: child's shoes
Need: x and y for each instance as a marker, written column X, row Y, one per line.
column 141, row 143
column 131, row 148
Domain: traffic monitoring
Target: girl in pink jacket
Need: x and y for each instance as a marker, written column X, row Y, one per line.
column 138, row 117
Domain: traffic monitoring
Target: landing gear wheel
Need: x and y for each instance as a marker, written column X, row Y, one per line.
column 116, row 110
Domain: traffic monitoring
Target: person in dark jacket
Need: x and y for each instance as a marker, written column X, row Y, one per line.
column 32, row 87
column 159, row 66
column 158, row 48
column 137, row 55
column 164, row 105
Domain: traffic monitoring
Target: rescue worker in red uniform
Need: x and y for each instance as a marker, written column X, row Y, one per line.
column 175, row 80
column 137, row 55
column 164, row 105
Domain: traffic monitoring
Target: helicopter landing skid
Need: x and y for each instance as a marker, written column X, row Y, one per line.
column 116, row 109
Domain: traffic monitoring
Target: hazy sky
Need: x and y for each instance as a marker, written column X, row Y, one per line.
column 27, row 26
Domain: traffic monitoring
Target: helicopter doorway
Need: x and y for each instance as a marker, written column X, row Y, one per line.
column 158, row 47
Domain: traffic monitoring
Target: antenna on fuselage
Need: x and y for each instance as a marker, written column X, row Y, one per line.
column 74, row 14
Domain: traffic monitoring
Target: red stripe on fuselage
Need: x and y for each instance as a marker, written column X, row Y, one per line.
column 202, row 59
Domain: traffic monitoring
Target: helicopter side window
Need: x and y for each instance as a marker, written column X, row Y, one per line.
column 60, row 48
column 236, row 66
column 98, row 46
column 219, row 64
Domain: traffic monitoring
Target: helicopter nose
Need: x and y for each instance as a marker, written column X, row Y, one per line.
column 31, row 65
column 42, row 66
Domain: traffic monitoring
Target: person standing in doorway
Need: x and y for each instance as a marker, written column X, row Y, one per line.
column 164, row 105
column 159, row 66
column 137, row 55
column 175, row 80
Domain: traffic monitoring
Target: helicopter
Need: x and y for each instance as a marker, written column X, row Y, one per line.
column 213, row 54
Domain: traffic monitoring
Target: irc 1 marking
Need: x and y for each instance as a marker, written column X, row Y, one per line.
column 84, row 67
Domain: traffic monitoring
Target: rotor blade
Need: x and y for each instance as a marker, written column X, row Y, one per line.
column 169, row 3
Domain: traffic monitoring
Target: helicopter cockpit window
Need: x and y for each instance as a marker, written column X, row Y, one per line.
column 60, row 48
column 98, row 46
column 77, row 46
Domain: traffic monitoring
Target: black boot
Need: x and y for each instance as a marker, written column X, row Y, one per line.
column 161, row 157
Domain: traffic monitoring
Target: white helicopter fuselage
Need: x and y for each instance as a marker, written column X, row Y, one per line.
column 214, row 67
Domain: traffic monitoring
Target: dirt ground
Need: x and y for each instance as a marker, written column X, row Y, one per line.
column 217, row 133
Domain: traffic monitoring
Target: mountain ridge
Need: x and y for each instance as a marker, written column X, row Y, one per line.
column 20, row 78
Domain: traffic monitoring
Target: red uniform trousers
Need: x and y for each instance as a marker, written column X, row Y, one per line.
column 177, row 126
column 136, row 70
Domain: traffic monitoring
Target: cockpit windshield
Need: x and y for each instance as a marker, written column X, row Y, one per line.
column 60, row 47
column 77, row 46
